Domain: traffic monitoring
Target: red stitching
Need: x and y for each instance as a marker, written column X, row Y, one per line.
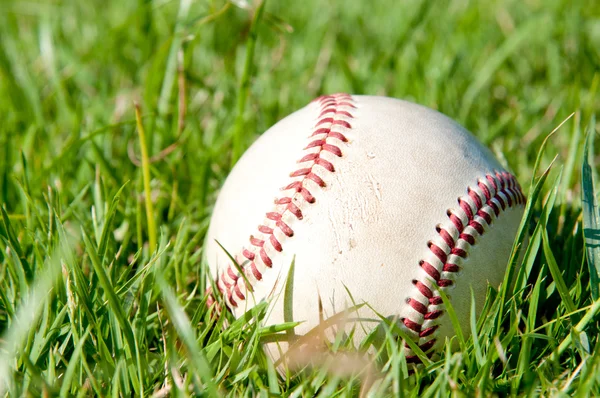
column 468, row 238
column 412, row 325
column 417, row 306
column 239, row 292
column 256, row 242
column 316, row 143
column 274, row 215
column 295, row 210
column 315, row 178
column 327, row 165
column 441, row 254
column 255, row 271
column 496, row 191
column 301, row 172
column 248, row 254
column 265, row 230
column 332, row 148
column 427, row 346
column 231, row 274
column 425, row 291
column 431, row 270
column 445, row 236
column 429, row 331
column 333, row 120
column 323, row 121
column 285, row 229
column 485, row 216
column 309, row 158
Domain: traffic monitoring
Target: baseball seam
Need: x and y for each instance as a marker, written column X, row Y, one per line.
column 475, row 214
column 325, row 144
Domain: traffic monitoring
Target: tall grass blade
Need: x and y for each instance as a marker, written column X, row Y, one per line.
column 556, row 273
column 146, row 179
column 244, row 83
column 74, row 362
column 27, row 315
column 185, row 331
column 534, row 194
column 591, row 212
column 116, row 307
column 171, row 68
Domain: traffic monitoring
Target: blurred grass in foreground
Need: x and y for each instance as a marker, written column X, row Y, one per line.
column 87, row 309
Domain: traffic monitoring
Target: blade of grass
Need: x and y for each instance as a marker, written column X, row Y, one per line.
column 107, row 225
column 535, row 189
column 455, row 323
column 536, row 237
column 591, row 212
column 473, row 324
column 555, row 271
column 27, row 315
column 580, row 327
column 395, row 328
column 115, row 305
column 186, row 333
column 589, row 374
column 74, row 362
column 171, row 68
column 534, row 193
column 524, row 363
column 575, row 148
column 244, row 84
column 146, row 178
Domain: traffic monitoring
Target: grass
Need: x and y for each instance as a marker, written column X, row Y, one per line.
column 101, row 281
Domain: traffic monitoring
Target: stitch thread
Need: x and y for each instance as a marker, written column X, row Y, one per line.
column 481, row 206
column 335, row 116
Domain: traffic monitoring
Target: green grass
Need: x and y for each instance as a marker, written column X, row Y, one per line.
column 101, row 281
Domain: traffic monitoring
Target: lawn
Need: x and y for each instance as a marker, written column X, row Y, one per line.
column 103, row 216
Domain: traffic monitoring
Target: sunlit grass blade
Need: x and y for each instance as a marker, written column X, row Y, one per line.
column 26, row 316
column 536, row 238
column 171, row 67
column 591, row 211
column 185, row 331
column 402, row 335
column 108, row 223
column 74, row 362
column 534, row 194
column 535, row 189
column 571, row 163
column 449, row 308
column 524, row 363
column 244, row 83
column 580, row 327
column 556, row 273
column 116, row 308
column 151, row 223
column 589, row 374
column 473, row 326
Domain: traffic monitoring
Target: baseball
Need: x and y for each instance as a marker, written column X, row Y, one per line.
column 375, row 200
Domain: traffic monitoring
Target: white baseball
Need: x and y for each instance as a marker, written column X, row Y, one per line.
column 383, row 198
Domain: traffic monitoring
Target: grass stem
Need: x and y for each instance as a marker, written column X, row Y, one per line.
column 146, row 178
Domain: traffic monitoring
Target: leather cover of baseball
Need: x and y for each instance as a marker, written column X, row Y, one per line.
column 385, row 199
